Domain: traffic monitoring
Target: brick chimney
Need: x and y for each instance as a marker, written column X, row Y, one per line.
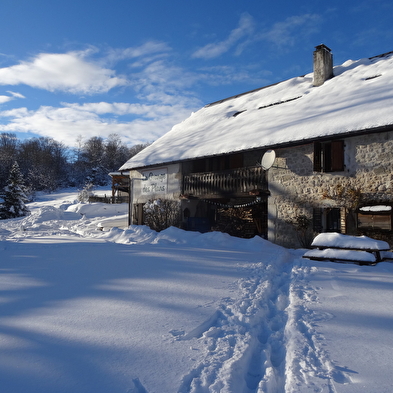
column 323, row 64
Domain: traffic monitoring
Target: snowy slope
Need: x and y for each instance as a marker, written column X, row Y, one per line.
column 134, row 311
column 360, row 96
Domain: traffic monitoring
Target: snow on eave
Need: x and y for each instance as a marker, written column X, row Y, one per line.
column 122, row 173
column 283, row 145
column 358, row 99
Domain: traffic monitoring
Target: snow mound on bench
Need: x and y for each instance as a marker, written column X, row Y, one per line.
column 337, row 240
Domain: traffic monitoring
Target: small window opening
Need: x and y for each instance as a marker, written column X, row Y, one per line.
column 279, row 102
column 372, row 77
column 329, row 156
column 238, row 113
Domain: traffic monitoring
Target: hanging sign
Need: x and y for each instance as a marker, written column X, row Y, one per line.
column 156, row 182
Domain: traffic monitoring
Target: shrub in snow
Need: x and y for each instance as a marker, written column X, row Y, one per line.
column 85, row 193
column 160, row 214
column 14, row 195
column 304, row 233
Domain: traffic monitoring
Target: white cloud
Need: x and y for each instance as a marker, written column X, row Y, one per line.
column 291, row 29
column 66, row 123
column 226, row 75
column 163, row 83
column 161, row 88
column 123, row 109
column 4, row 99
column 287, row 32
column 69, row 72
column 164, row 75
column 16, row 95
column 148, row 49
column 245, row 29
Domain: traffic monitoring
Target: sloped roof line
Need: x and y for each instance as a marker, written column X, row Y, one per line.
column 243, row 94
column 274, row 84
column 342, row 106
column 381, row 55
column 281, row 145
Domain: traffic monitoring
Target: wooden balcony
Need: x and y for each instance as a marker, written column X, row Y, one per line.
column 239, row 182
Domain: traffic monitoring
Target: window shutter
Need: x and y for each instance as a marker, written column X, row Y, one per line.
column 327, row 157
column 317, row 157
column 337, row 156
column 317, row 219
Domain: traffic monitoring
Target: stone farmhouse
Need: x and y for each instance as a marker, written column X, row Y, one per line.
column 307, row 155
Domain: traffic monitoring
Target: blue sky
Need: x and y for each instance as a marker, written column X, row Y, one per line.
column 71, row 69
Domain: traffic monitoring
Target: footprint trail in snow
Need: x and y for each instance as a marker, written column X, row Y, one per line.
column 244, row 339
column 265, row 340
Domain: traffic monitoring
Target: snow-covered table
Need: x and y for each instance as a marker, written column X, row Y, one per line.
column 334, row 246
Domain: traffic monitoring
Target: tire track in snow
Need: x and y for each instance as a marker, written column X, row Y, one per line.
column 244, row 340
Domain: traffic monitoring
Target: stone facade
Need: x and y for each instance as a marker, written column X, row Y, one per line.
column 296, row 190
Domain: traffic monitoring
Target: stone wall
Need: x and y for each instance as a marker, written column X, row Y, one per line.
column 296, row 189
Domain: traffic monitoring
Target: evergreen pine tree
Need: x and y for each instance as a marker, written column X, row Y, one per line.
column 14, row 195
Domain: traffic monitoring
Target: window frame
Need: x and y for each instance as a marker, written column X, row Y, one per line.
column 327, row 219
column 375, row 216
column 329, row 156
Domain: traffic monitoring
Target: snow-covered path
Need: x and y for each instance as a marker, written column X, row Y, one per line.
column 133, row 311
column 243, row 343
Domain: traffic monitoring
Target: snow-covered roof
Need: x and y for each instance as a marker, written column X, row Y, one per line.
column 358, row 97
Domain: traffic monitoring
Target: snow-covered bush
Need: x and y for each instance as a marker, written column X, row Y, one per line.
column 85, row 193
column 160, row 214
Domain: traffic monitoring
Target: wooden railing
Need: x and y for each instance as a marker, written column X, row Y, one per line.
column 228, row 183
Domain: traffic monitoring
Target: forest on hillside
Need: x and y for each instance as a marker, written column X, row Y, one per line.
column 47, row 164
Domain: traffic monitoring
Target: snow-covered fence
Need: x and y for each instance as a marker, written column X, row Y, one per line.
column 108, row 199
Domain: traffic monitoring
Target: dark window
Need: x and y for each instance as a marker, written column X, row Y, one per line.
column 333, row 223
column 326, row 220
column 199, row 166
column 234, row 161
column 375, row 217
column 329, row 156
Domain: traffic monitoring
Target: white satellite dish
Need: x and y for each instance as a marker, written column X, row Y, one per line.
column 268, row 159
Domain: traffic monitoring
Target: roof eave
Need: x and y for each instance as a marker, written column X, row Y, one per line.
column 353, row 133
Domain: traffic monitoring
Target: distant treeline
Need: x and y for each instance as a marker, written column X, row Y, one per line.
column 48, row 165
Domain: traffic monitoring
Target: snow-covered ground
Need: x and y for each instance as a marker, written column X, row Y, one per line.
column 88, row 309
